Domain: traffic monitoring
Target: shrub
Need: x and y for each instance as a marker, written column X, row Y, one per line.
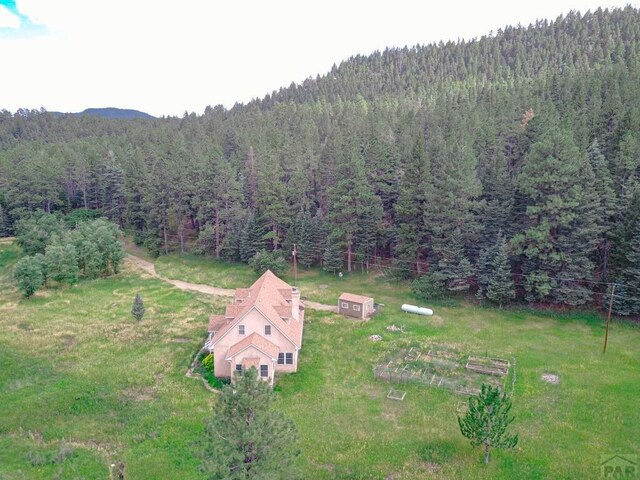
column 263, row 261
column 28, row 275
column 429, row 286
column 208, row 362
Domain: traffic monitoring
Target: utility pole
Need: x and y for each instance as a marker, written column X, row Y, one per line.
column 295, row 265
column 606, row 331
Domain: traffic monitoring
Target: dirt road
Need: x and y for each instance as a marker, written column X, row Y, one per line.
column 150, row 269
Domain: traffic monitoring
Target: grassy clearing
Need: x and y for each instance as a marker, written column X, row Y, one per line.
column 314, row 284
column 352, row 430
column 78, row 373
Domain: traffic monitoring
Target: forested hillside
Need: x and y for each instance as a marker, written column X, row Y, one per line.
column 506, row 164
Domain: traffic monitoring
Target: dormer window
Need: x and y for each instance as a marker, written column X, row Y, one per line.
column 241, row 329
column 267, row 329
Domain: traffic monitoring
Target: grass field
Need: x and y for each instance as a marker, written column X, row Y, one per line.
column 82, row 385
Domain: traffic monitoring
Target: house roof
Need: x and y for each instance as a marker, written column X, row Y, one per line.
column 269, row 295
column 257, row 341
column 232, row 311
column 352, row 297
column 216, row 322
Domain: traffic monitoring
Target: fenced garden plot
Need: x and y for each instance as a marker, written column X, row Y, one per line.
column 443, row 367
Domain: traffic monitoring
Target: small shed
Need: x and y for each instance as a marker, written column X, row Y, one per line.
column 353, row 305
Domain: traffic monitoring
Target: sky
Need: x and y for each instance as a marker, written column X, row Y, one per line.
column 167, row 58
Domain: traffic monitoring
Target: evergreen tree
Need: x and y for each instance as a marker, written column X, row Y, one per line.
column 624, row 230
column 352, row 203
column 251, row 239
column 411, row 207
column 300, row 233
column 219, row 198
column 606, row 207
column 112, row 184
column 453, row 198
column 500, row 288
column 497, row 192
column 484, row 269
column 627, row 299
column 246, row 438
column 6, row 226
column 332, row 260
column 453, row 264
column 487, row 420
column 137, row 307
column 307, row 250
column 28, row 275
column 270, row 200
column 559, row 231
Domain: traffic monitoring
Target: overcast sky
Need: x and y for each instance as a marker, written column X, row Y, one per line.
column 166, row 58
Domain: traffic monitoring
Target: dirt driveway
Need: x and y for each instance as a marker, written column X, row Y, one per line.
column 150, row 269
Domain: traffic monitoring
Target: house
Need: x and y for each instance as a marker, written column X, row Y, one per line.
column 355, row 305
column 261, row 328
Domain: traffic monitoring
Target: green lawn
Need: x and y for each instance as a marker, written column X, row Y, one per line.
column 83, row 385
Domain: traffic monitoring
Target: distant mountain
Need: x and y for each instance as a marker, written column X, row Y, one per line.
column 111, row 112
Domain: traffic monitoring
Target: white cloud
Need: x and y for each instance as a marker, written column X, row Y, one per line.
column 8, row 19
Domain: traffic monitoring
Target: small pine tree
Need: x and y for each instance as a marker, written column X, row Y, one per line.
column 137, row 307
column 500, row 288
column 246, row 438
column 487, row 419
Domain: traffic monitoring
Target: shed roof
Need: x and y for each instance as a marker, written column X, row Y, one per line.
column 352, row 297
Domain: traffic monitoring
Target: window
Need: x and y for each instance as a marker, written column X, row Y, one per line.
column 267, row 329
column 281, row 359
column 344, row 304
column 241, row 329
column 356, row 308
column 264, row 370
column 289, row 358
column 239, row 368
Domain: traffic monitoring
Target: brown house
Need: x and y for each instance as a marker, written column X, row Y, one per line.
column 355, row 305
column 262, row 328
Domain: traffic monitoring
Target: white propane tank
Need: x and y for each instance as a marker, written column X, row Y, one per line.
column 418, row 310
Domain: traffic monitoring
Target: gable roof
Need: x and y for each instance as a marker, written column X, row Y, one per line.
column 248, row 362
column 257, row 341
column 216, row 322
column 352, row 297
column 268, row 295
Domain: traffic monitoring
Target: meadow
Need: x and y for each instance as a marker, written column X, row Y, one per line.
column 83, row 385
